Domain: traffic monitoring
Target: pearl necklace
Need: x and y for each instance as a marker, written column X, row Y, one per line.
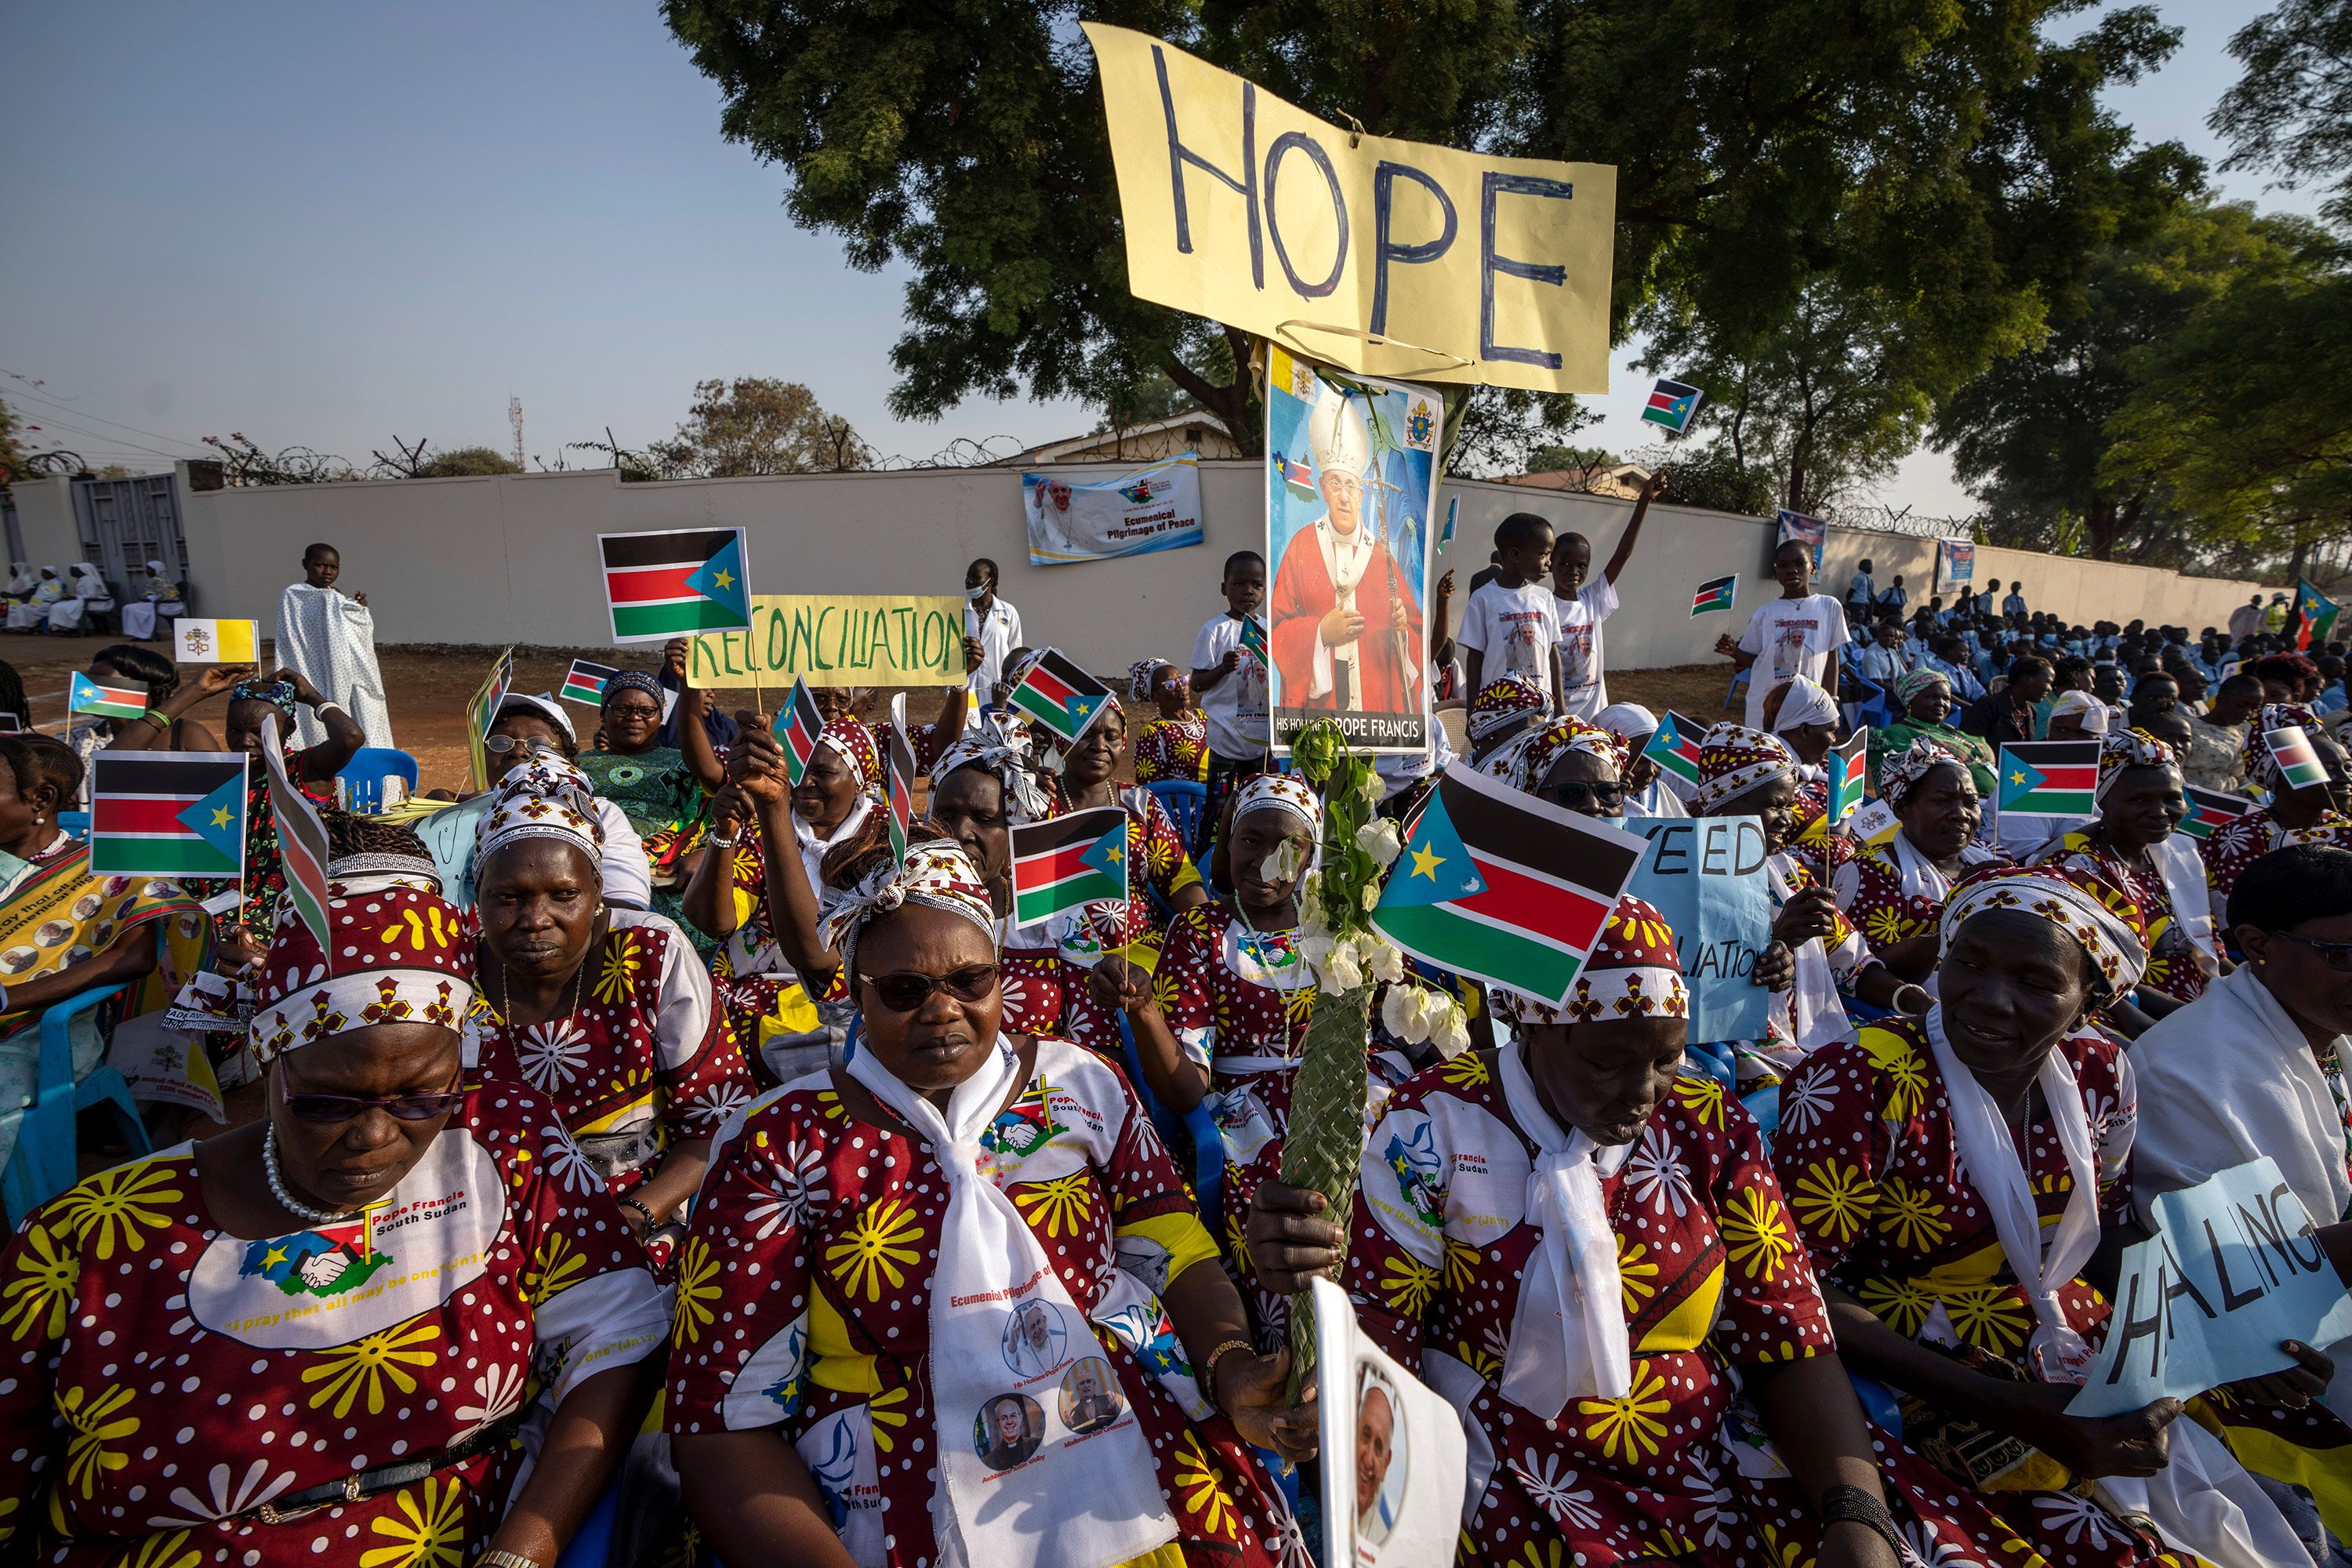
column 277, row 1185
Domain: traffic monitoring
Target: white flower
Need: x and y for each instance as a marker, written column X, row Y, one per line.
column 800, row 1188
column 1401, row 1015
column 1933, row 1551
column 1656, row 1174
column 570, row 1165
column 1554, row 1490
column 551, row 1051
column 1341, row 971
column 1381, row 960
column 1452, row 1035
column 1284, row 863
column 717, row 1104
column 2077, row 1520
column 1378, row 838
column 1370, row 897
column 496, row 1391
column 1374, row 788
column 1310, row 895
column 1805, row 1100
column 1715, row 1505
column 224, row 1500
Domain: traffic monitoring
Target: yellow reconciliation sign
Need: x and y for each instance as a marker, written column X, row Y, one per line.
column 1386, row 258
column 837, row 639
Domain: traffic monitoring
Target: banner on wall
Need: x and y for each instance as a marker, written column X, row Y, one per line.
column 1956, row 564
column 1386, row 258
column 1154, row 508
column 837, row 639
column 1810, row 530
column 1351, row 486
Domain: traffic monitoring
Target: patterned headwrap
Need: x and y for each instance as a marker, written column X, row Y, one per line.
column 2129, row 749
column 2083, row 705
column 1532, row 759
column 1803, row 702
column 984, row 748
column 1909, row 685
column 1734, row 759
column 1280, row 792
column 1896, row 776
column 2108, row 924
column 630, row 680
column 1143, row 675
column 403, row 956
column 278, row 694
column 2255, row 755
column 1504, row 701
column 936, row 873
column 1633, row 973
column 855, row 742
column 545, row 797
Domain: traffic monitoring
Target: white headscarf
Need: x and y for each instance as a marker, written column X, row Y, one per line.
column 1805, row 703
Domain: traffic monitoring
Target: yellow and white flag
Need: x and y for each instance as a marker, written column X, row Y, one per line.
column 215, row 642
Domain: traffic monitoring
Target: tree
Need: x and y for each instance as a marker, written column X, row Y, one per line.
column 2292, row 110
column 12, row 454
column 466, row 462
column 757, row 425
column 1948, row 156
column 1710, row 476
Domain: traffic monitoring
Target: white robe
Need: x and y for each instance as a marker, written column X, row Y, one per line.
column 329, row 641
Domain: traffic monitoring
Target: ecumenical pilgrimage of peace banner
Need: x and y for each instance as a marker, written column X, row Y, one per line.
column 837, row 639
column 1384, row 258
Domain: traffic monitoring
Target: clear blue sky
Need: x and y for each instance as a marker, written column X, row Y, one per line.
column 329, row 225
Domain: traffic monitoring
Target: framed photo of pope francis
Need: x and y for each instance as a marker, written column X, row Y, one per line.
column 1351, row 481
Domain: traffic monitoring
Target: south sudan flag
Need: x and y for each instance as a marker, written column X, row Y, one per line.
column 1848, row 770
column 1060, row 696
column 1497, row 884
column 2049, row 778
column 2209, row 811
column 798, row 728
column 301, row 842
column 2313, row 619
column 106, row 701
column 1715, row 594
column 898, row 768
column 1068, row 862
column 584, row 682
column 1675, row 748
column 1671, row 404
column 1254, row 637
column 2299, row 765
column 674, row 583
column 167, row 814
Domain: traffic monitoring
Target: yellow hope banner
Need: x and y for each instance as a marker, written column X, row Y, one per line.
column 1386, row 258
column 837, row 639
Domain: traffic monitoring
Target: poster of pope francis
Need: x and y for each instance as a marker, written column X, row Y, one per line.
column 1351, row 484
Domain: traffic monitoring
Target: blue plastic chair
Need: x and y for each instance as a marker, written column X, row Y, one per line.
column 1208, row 1143
column 591, row 1543
column 44, row 1164
column 363, row 777
column 1738, row 685
column 1184, row 801
column 1713, row 1062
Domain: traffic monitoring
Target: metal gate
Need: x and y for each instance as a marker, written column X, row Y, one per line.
column 126, row 523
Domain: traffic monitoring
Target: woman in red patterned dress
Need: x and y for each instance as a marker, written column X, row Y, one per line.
column 913, row 1279
column 313, row 1339
column 1173, row 743
column 1953, row 1262
column 1156, row 857
column 2313, row 814
column 1586, row 1253
column 1894, row 892
column 605, row 1010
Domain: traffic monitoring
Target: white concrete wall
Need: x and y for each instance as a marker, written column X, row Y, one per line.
column 45, row 519
column 512, row 558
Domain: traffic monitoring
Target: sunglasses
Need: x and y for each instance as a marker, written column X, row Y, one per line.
column 904, row 991
column 2336, row 955
column 347, row 1108
column 1574, row 795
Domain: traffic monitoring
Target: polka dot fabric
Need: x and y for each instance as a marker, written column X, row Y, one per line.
column 159, row 1378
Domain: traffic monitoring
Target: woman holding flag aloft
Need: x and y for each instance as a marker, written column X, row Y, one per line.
column 1156, row 857
column 901, row 1269
column 2304, row 813
column 1894, row 892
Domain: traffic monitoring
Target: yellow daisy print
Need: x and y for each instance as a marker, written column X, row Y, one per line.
column 1882, row 926
column 1461, row 1264
column 882, row 1413
column 883, row 1239
column 1408, row 1285
column 698, row 1286
column 1201, row 1491
column 1628, row 1430
column 1907, row 1077
column 1485, row 1363
column 1636, row 1270
column 34, row 1301
column 370, row 1363
column 1758, row 1233
column 622, row 962
column 1465, row 1071
column 121, row 1201
column 1554, row 1553
column 1901, row 1304
column 555, row 1267
column 1990, row 1317
column 95, row 1422
column 1912, row 1215
column 430, row 1532
column 1702, row 1096
column 168, row 1549
column 1833, row 1199
column 1061, row 1204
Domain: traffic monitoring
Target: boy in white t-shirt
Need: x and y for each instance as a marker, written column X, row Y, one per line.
column 1583, row 605
column 1512, row 622
column 1229, row 681
column 1799, row 633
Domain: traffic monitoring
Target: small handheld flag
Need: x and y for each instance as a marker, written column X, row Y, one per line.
column 2314, row 617
column 1453, row 516
column 215, row 642
column 674, row 583
column 1675, row 748
column 898, row 762
column 482, row 711
column 106, row 701
column 167, row 814
column 1068, row 862
column 798, row 729
column 1671, row 404
column 1872, row 823
column 1848, row 770
column 2209, row 811
column 2048, row 778
column 1502, row 886
column 1715, row 594
column 2299, row 765
column 1254, row 637
column 584, row 682
column 1061, row 697
column 301, row 842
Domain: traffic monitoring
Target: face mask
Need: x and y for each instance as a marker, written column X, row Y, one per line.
column 976, row 594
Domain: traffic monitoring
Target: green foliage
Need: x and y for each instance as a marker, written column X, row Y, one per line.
column 1553, row 460
column 12, row 454
column 2292, row 110
column 465, row 462
column 1711, row 476
column 756, row 426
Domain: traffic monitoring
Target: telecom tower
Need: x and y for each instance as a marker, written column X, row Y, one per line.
column 514, row 417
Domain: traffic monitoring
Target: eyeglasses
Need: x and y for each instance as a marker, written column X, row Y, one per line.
column 905, row 990
column 502, row 744
column 1574, row 795
column 2336, row 955
column 347, row 1108
column 631, row 711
